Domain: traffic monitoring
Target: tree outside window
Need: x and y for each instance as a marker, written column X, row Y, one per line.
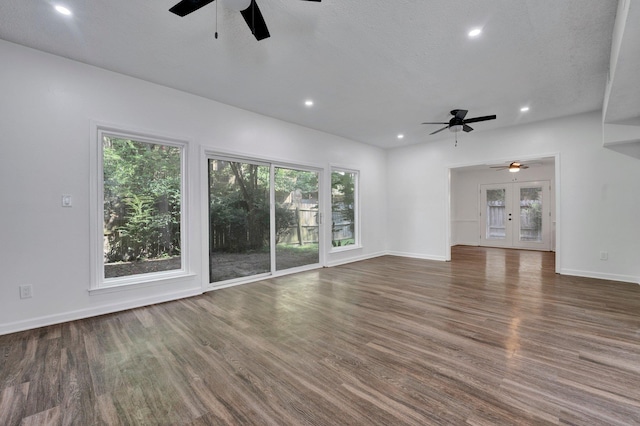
column 142, row 199
column 343, row 208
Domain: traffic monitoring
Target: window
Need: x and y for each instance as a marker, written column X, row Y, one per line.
column 139, row 217
column 344, row 208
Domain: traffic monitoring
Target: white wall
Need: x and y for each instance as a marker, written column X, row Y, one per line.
column 599, row 207
column 465, row 195
column 47, row 104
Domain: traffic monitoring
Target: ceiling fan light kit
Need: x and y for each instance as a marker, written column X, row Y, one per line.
column 514, row 167
column 248, row 8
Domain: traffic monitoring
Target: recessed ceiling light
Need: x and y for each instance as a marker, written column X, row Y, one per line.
column 63, row 10
column 524, row 109
column 400, row 136
column 308, row 103
column 475, row 32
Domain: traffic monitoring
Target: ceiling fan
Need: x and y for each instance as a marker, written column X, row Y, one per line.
column 513, row 167
column 458, row 122
column 248, row 8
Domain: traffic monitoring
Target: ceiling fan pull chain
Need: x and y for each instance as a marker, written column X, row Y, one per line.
column 216, row 20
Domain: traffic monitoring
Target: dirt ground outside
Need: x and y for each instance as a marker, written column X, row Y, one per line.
column 224, row 266
column 125, row 269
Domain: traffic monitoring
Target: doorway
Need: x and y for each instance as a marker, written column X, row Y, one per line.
column 465, row 202
column 515, row 215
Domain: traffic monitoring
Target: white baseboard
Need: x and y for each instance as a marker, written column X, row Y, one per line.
column 418, row 256
column 466, row 243
column 46, row 320
column 356, row 259
column 601, row 276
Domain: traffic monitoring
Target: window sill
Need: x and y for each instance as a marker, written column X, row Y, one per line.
column 118, row 285
column 345, row 248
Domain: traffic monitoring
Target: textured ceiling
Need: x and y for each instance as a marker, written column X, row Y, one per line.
column 623, row 104
column 374, row 68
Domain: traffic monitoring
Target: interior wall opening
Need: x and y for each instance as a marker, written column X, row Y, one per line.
column 493, row 206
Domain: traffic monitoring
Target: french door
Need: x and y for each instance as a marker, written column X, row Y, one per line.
column 515, row 215
column 263, row 218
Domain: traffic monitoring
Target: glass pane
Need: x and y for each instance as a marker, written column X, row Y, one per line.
column 297, row 227
column 531, row 214
column 239, row 220
column 343, row 208
column 142, row 199
column 496, row 214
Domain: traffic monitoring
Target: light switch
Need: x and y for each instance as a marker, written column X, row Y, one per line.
column 67, row 201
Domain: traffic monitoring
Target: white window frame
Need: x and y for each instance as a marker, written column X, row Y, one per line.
column 356, row 214
column 99, row 283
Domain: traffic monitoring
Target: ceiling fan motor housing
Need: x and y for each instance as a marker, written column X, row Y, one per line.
column 455, row 124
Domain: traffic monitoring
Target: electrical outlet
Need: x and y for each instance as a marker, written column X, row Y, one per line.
column 604, row 255
column 26, row 291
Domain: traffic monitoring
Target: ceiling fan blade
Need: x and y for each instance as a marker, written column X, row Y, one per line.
column 522, row 166
column 467, row 128
column 442, row 122
column 459, row 113
column 313, row 0
column 438, row 131
column 476, row 119
column 185, row 7
column 255, row 21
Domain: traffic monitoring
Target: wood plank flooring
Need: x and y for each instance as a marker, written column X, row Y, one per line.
column 493, row 337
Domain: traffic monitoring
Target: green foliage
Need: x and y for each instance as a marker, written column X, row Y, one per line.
column 141, row 200
column 285, row 220
column 345, row 242
column 342, row 194
column 496, row 196
column 301, row 185
column 343, row 203
column 239, row 204
column 288, row 180
column 297, row 249
column 532, row 209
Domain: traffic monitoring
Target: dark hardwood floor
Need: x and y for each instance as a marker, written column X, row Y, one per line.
column 493, row 337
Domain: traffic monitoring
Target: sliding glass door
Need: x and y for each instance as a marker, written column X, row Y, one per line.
column 297, row 224
column 239, row 220
column 263, row 218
